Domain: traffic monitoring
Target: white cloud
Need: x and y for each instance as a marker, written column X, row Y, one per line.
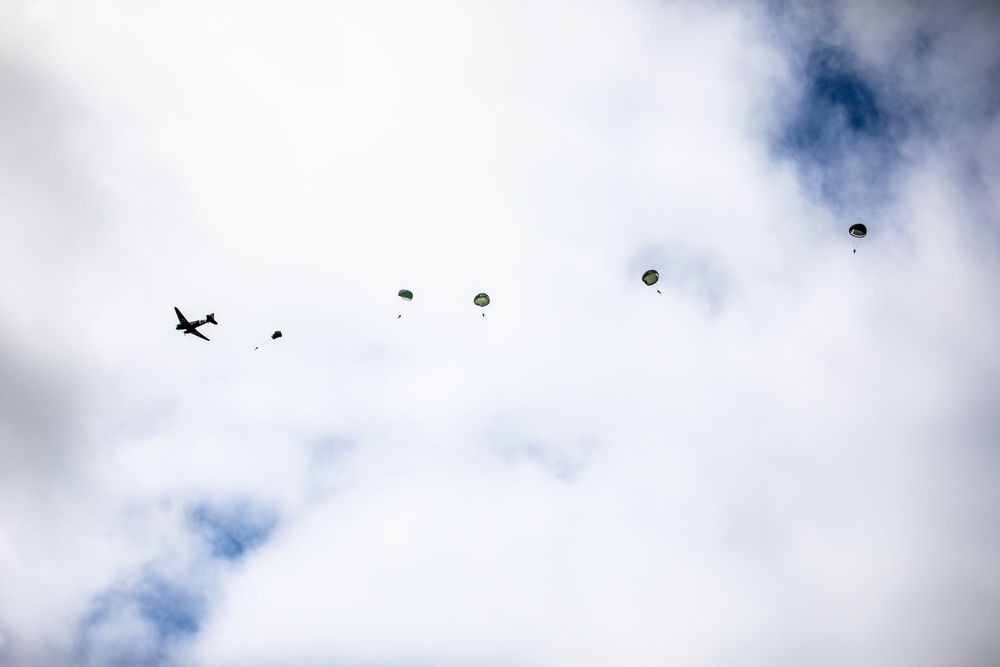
column 785, row 457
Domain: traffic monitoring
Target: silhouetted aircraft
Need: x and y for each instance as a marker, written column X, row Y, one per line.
column 192, row 327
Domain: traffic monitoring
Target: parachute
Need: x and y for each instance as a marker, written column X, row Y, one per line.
column 482, row 300
column 405, row 295
column 650, row 277
column 274, row 336
column 858, row 231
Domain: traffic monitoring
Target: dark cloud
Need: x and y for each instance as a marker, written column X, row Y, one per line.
column 40, row 416
column 43, row 159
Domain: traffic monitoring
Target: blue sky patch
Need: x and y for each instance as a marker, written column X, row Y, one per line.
column 138, row 625
column 231, row 532
column 845, row 131
column 564, row 459
column 838, row 105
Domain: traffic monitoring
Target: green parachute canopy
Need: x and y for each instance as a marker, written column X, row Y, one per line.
column 650, row 277
column 482, row 300
column 405, row 294
column 276, row 334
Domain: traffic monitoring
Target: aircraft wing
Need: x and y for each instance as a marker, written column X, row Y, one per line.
column 197, row 333
column 180, row 317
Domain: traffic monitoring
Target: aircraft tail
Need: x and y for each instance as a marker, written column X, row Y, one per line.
column 211, row 318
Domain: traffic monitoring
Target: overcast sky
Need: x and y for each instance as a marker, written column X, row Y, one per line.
column 788, row 455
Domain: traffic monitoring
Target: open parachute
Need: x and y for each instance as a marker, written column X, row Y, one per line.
column 650, row 278
column 405, row 295
column 857, row 232
column 482, row 300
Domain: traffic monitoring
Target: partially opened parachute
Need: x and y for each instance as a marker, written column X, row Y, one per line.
column 276, row 335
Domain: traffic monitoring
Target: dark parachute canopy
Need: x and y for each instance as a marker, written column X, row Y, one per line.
column 650, row 277
column 858, row 231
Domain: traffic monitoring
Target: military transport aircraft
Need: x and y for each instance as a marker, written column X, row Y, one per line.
column 192, row 327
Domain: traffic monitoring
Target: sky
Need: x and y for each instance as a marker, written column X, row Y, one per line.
column 784, row 453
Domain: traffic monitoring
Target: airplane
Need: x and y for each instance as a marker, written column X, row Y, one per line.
column 192, row 327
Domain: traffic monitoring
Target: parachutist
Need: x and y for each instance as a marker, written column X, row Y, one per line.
column 858, row 232
column 405, row 295
column 482, row 300
column 274, row 336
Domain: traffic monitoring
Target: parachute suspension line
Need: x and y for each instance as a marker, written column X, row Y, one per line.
column 405, row 295
column 482, row 300
column 857, row 233
column 274, row 336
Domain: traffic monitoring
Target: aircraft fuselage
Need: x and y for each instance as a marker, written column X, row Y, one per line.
column 188, row 327
column 195, row 324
